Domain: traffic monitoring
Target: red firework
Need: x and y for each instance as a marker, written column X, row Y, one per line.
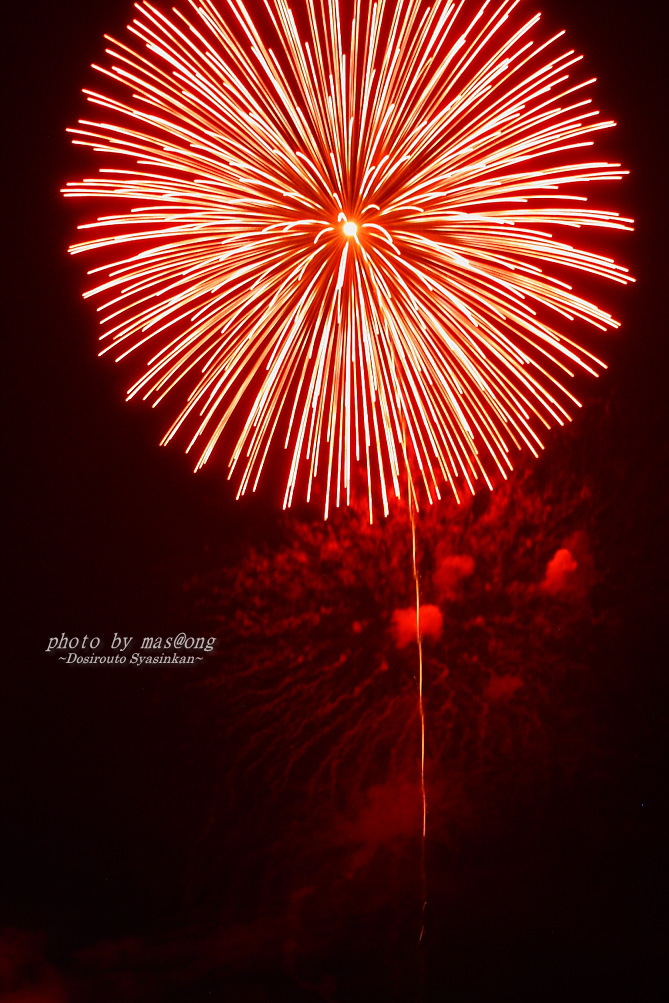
column 338, row 234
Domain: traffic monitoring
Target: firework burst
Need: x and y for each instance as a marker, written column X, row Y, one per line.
column 336, row 233
column 322, row 693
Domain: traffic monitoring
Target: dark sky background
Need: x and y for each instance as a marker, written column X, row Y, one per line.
column 111, row 774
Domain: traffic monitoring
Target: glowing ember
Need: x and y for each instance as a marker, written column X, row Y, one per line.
column 422, row 334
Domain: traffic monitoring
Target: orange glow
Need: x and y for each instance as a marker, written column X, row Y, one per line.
column 458, row 143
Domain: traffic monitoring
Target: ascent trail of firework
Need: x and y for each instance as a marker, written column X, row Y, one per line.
column 335, row 229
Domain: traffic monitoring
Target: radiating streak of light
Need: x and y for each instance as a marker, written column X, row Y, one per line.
column 344, row 225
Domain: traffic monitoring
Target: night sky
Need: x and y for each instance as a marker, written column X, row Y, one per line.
column 167, row 837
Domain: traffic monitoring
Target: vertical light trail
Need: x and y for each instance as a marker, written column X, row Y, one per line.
column 412, row 503
column 413, row 509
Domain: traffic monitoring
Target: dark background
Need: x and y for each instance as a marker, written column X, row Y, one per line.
column 108, row 792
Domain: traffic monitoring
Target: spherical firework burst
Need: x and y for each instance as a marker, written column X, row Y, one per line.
column 341, row 233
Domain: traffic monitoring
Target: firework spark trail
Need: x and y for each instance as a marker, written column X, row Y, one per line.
column 413, row 512
column 338, row 231
column 421, row 713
